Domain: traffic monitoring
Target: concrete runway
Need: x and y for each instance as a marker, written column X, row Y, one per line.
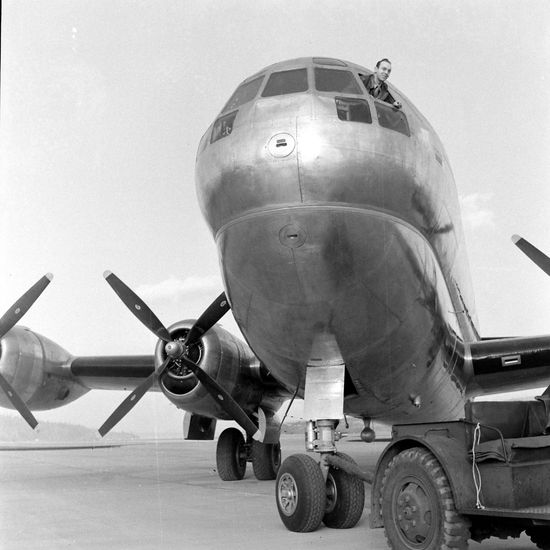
column 161, row 495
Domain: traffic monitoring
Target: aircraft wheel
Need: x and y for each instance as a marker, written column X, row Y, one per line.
column 540, row 536
column 300, row 493
column 345, row 498
column 417, row 505
column 231, row 455
column 266, row 459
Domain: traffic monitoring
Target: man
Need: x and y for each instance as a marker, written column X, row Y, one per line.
column 376, row 83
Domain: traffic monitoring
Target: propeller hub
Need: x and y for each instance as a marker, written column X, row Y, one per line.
column 174, row 349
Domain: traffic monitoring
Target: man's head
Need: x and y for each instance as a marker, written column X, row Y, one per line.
column 383, row 69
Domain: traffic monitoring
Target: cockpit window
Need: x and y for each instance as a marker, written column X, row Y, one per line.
column 223, row 126
column 244, row 93
column 333, row 80
column 353, row 110
column 392, row 118
column 329, row 61
column 286, row 82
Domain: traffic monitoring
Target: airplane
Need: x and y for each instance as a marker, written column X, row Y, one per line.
column 338, row 230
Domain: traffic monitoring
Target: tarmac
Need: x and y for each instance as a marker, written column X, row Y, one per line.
column 162, row 495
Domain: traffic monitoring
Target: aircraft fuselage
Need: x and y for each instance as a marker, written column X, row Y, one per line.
column 334, row 228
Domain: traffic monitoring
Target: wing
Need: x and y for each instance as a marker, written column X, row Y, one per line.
column 510, row 364
column 112, row 372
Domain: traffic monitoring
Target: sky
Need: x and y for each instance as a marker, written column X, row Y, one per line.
column 103, row 103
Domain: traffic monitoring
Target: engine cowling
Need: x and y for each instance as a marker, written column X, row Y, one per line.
column 226, row 359
column 38, row 370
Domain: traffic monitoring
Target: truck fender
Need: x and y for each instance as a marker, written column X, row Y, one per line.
column 453, row 458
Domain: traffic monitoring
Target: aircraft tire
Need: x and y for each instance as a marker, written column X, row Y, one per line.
column 414, row 488
column 231, row 455
column 300, row 493
column 266, row 460
column 345, row 498
column 540, row 536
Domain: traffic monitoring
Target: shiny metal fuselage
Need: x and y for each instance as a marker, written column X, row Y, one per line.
column 351, row 233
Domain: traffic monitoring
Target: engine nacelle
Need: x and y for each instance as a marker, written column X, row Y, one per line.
column 38, row 370
column 226, row 359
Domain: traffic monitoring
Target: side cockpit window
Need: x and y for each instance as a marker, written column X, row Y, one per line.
column 391, row 118
column 286, row 82
column 243, row 94
column 353, row 110
column 333, row 80
column 223, row 126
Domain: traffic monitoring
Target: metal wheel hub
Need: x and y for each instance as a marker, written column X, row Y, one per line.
column 414, row 512
column 287, row 494
column 332, row 494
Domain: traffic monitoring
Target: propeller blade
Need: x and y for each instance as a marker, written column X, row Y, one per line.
column 213, row 313
column 533, row 253
column 17, row 310
column 18, row 403
column 127, row 405
column 224, row 399
column 138, row 307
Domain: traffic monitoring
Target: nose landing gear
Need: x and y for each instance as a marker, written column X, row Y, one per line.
column 308, row 493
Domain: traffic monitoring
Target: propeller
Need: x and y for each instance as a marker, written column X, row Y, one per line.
column 7, row 322
column 176, row 351
column 533, row 253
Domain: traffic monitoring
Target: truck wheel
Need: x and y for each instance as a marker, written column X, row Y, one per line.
column 266, row 459
column 540, row 536
column 231, row 455
column 300, row 493
column 417, row 505
column 345, row 498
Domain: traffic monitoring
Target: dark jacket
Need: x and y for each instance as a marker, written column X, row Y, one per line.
column 382, row 93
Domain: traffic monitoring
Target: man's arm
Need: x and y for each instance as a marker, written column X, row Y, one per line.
column 390, row 99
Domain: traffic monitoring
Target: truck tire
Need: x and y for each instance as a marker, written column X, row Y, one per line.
column 231, row 455
column 418, row 507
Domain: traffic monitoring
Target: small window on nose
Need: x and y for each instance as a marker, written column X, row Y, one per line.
column 223, row 126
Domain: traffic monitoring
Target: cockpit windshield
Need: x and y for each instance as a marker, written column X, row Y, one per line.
column 333, row 80
column 286, row 82
column 244, row 93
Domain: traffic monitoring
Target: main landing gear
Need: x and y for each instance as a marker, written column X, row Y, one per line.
column 308, row 493
column 233, row 452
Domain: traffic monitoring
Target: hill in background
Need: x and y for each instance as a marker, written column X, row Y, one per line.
column 15, row 430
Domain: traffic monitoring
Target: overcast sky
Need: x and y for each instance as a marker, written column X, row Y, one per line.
column 103, row 104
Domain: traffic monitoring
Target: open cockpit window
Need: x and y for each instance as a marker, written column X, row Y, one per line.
column 353, row 110
column 333, row 80
column 286, row 82
column 244, row 93
column 223, row 126
column 392, row 118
